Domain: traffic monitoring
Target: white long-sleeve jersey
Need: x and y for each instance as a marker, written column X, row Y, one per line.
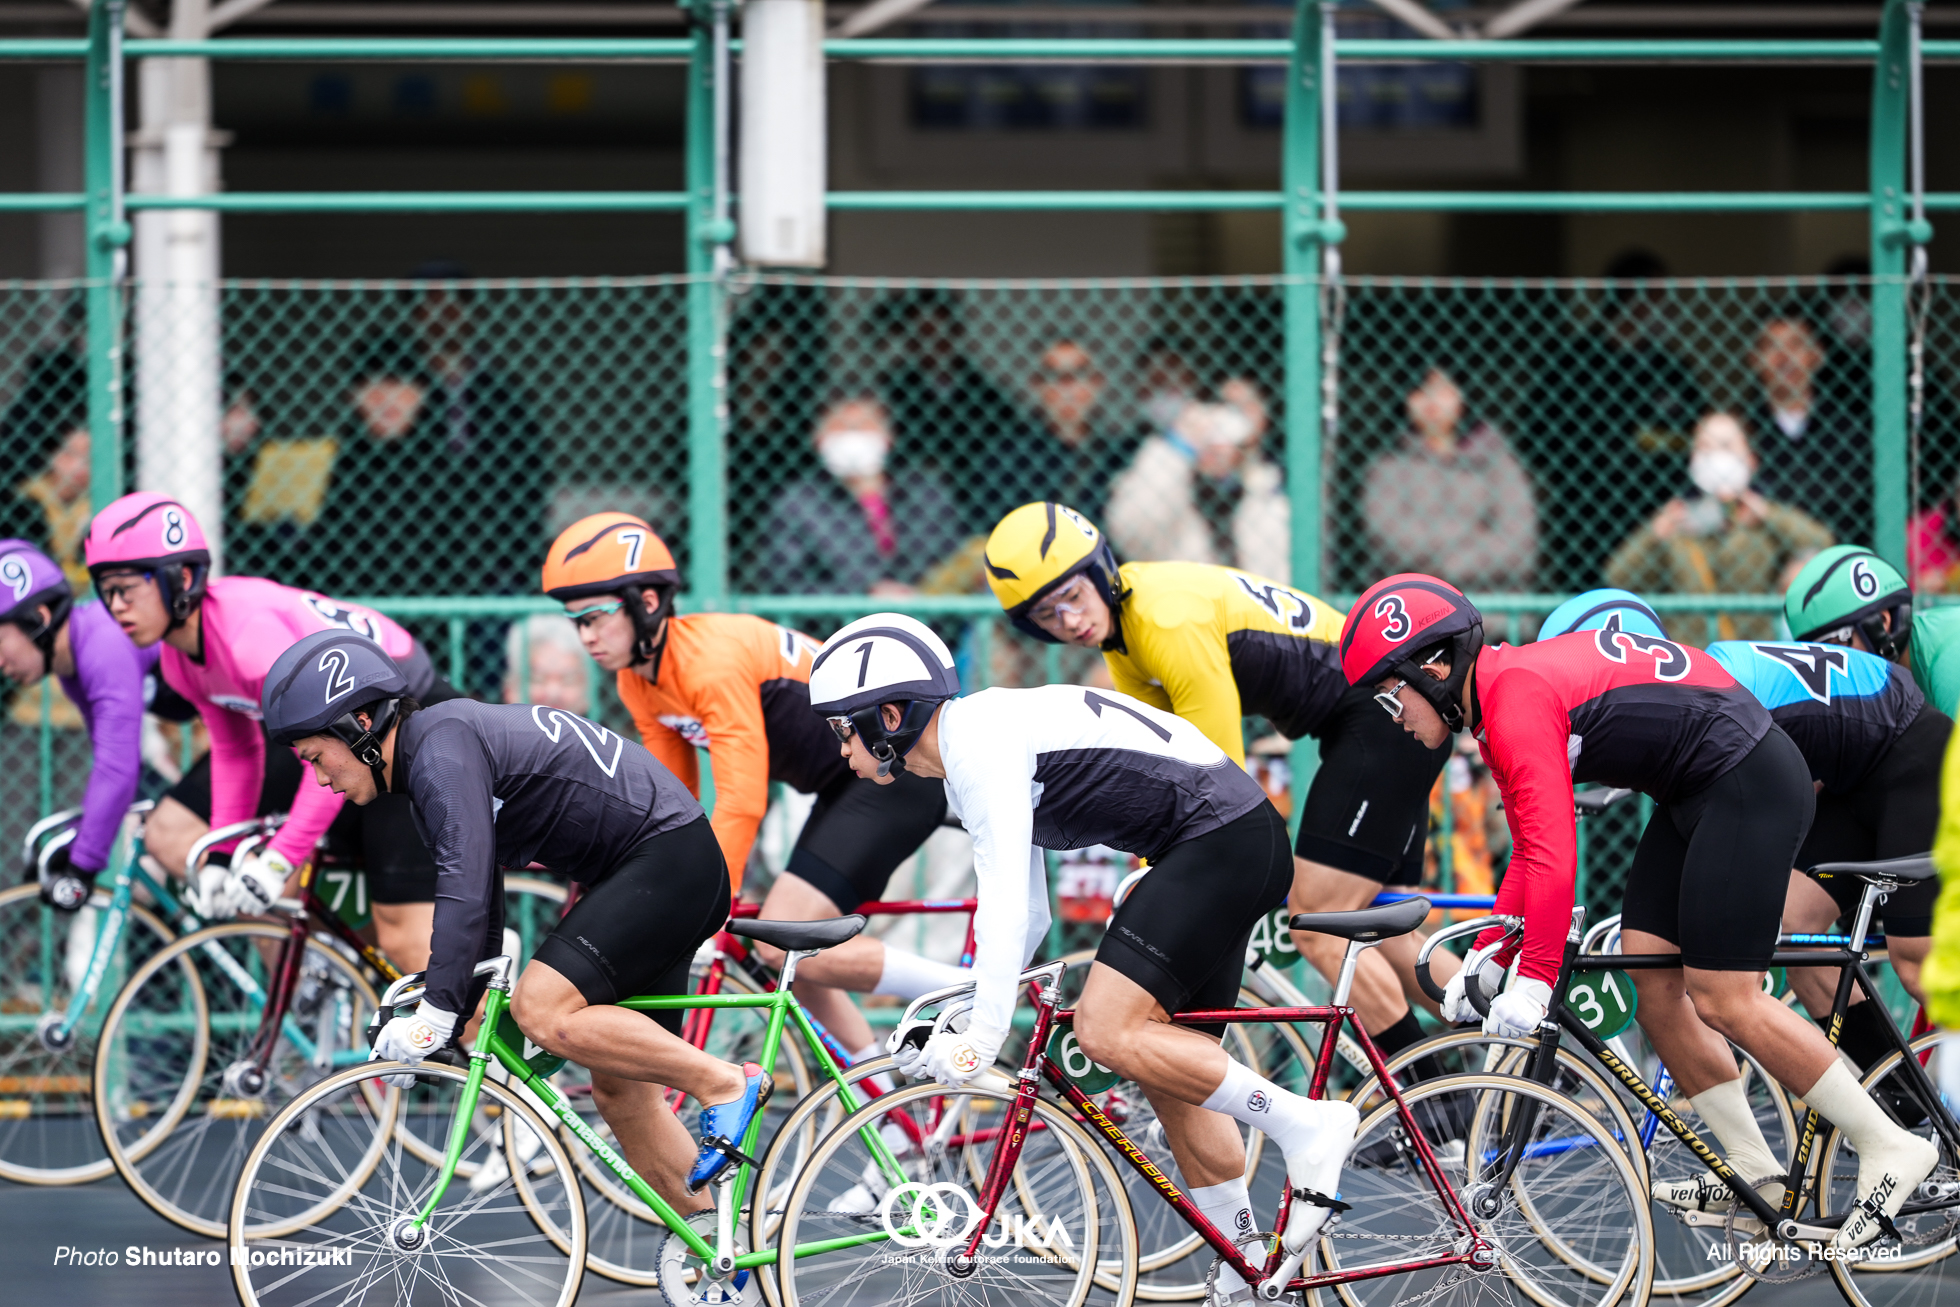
column 1066, row 767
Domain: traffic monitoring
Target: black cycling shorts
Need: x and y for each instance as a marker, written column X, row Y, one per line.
column 1891, row 814
column 635, row 930
column 1183, row 931
column 380, row 837
column 859, row 831
column 1712, row 869
column 1367, row 811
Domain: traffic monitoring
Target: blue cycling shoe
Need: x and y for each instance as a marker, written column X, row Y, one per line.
column 723, row 1126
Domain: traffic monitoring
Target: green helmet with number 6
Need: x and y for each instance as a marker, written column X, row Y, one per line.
column 1849, row 588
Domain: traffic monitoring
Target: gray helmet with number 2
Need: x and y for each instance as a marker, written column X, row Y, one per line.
column 317, row 686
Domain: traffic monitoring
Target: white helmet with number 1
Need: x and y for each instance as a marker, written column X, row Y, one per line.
column 880, row 659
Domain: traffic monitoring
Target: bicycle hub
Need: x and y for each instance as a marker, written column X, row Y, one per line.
column 244, row 1080
column 53, row 1034
column 407, row 1236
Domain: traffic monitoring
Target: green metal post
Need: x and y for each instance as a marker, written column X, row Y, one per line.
column 106, row 234
column 1890, row 239
column 1302, row 237
column 707, row 499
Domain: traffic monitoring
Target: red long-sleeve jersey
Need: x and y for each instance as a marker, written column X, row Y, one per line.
column 1607, row 706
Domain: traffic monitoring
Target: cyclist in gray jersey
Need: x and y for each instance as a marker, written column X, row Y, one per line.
column 508, row 785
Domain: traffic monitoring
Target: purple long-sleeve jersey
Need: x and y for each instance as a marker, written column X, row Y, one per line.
column 108, row 689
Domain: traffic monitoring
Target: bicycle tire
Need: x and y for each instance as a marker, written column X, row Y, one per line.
column 44, row 1088
column 268, row 1189
column 177, row 1161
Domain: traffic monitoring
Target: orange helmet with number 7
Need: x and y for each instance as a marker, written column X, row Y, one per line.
column 1405, row 622
column 616, row 554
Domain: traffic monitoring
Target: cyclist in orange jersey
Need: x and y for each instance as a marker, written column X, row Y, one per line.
column 738, row 686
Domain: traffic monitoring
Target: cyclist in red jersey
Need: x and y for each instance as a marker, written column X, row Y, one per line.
column 1707, row 881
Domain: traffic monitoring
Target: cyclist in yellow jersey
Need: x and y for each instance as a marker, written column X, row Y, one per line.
column 1940, row 977
column 1214, row 645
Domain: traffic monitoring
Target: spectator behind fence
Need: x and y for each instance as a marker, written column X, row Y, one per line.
column 1722, row 537
column 444, row 477
column 862, row 525
column 1815, row 448
column 1203, row 492
column 948, row 415
column 557, row 662
column 1451, row 502
column 1073, row 453
column 1933, row 546
column 1606, row 426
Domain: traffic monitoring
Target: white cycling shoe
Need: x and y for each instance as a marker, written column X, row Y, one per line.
column 1314, row 1173
column 1705, row 1193
column 1886, row 1178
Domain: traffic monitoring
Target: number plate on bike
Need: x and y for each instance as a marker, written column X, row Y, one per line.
column 1272, row 938
column 536, row 1058
column 1603, row 1000
column 1088, row 1076
column 345, row 892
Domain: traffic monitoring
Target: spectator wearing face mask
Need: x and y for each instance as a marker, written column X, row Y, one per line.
column 1722, row 537
column 862, row 525
column 1203, row 492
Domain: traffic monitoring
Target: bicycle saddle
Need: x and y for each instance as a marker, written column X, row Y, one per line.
column 1385, row 922
column 1893, row 871
column 799, row 936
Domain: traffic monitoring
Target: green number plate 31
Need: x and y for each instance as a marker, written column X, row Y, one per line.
column 1603, row 1000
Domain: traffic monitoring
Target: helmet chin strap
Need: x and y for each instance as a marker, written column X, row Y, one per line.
column 649, row 628
column 44, row 635
column 1888, row 644
column 365, row 742
column 890, row 747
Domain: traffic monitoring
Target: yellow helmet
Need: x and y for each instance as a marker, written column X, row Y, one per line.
column 1038, row 547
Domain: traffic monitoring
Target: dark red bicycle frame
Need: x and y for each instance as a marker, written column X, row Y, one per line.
column 1008, row 1155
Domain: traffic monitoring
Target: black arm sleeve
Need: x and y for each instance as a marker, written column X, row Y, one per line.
column 451, row 785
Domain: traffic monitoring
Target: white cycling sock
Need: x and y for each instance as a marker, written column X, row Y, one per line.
column 1315, row 1138
column 1891, row 1161
column 1726, row 1110
column 907, row 975
column 875, row 1049
column 1228, row 1207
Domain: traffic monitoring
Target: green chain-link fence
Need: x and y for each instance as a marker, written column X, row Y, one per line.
column 1523, row 438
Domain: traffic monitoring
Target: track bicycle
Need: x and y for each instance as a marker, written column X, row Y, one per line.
column 1414, row 1227
column 332, row 1206
column 57, row 972
column 214, row 1032
column 1791, row 1240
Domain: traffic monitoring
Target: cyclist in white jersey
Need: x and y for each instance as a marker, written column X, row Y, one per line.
column 1066, row 767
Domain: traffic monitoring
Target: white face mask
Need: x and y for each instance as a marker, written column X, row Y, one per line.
column 848, row 454
column 1722, row 473
column 1164, row 407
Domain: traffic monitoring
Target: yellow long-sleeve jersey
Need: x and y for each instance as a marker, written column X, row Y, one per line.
column 1214, row 644
column 1941, row 976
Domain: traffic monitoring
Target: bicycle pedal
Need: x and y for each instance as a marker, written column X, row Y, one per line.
column 730, row 1151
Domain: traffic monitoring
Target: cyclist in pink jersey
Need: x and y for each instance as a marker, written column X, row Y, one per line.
column 151, row 566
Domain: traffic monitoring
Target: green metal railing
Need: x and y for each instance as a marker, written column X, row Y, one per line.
column 1309, row 200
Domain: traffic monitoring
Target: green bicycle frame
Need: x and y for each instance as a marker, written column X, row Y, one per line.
column 783, row 1009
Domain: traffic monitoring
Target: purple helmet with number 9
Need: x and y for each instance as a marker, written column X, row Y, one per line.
column 29, row 581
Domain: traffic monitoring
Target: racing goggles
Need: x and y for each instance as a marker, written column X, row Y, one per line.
column 1391, row 704
column 584, row 617
column 842, row 728
column 1071, row 600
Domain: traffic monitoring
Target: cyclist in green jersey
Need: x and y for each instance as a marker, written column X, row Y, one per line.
column 1849, row 595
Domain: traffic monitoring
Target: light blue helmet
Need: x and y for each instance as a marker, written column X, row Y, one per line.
column 1593, row 609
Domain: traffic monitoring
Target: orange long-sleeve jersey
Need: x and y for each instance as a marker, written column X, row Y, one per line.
column 738, row 687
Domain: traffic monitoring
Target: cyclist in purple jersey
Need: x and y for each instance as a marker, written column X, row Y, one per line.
column 42, row 630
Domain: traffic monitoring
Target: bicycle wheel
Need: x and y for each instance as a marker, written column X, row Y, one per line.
column 816, row 1114
column 1579, row 1187
column 320, row 1194
column 625, row 1239
column 47, row 1117
column 1062, row 1233
column 178, row 1096
column 1472, row 1052
column 1918, row 1270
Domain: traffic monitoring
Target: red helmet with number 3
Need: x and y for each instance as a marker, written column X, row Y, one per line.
column 1397, row 625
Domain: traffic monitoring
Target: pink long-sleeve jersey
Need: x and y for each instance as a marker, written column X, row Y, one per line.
column 247, row 623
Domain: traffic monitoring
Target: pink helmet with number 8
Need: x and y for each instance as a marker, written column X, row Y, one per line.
column 150, row 532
